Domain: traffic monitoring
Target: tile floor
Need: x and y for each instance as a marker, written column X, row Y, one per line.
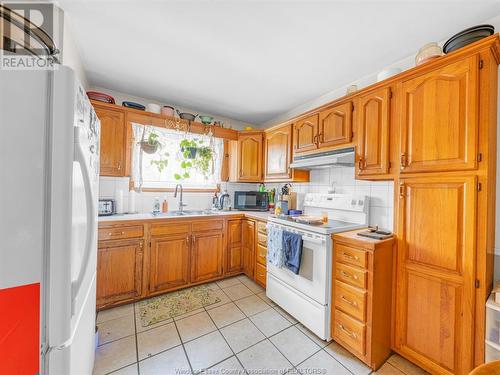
column 244, row 333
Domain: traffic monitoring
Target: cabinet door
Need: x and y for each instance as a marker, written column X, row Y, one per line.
column 206, row 256
column 305, row 134
column 112, row 143
column 234, row 247
column 250, row 157
column 119, row 271
column 169, row 262
column 248, row 242
column 335, row 125
column 436, row 272
column 278, row 153
column 373, row 130
column 440, row 119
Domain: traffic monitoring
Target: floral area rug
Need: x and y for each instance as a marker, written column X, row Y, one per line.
column 173, row 304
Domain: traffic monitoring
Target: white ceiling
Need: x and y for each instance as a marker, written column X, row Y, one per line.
column 252, row 60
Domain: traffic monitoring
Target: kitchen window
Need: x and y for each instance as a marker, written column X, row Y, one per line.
column 163, row 158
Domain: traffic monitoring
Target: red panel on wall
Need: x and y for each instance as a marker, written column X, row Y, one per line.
column 20, row 330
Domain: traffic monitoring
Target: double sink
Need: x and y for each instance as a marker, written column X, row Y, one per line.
column 186, row 213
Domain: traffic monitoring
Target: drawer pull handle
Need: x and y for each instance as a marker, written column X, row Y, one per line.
column 348, row 275
column 116, row 233
column 352, row 303
column 347, row 331
column 349, row 256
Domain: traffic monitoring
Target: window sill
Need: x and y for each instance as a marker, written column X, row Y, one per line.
column 171, row 190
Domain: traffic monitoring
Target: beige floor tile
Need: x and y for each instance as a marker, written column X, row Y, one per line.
column 388, row 369
column 237, row 292
column 115, row 355
column 270, row 322
column 226, row 314
column 138, row 324
column 253, row 286
column 157, row 340
column 312, row 336
column 115, row 312
column 171, row 362
column 266, row 299
column 264, row 356
column 212, row 285
column 252, row 305
column 405, row 366
column 232, row 364
column 228, row 282
column 207, row 350
column 322, row 363
column 287, row 316
column 223, row 300
column 115, row 329
column 243, row 278
column 129, row 370
column 294, row 345
column 347, row 359
column 194, row 326
column 242, row 335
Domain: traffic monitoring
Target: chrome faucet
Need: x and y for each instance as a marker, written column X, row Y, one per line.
column 181, row 205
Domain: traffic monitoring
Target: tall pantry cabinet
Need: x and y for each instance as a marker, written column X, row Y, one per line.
column 445, row 209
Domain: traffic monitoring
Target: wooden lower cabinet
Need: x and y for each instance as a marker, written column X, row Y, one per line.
column 248, row 245
column 169, row 262
column 436, row 272
column 206, row 256
column 119, row 271
column 362, row 296
column 234, row 262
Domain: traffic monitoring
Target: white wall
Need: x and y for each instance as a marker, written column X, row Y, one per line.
column 70, row 53
column 120, row 97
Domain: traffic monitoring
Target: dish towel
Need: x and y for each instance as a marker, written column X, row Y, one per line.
column 274, row 246
column 292, row 249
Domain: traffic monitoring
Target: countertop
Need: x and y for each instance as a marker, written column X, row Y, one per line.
column 352, row 238
column 149, row 216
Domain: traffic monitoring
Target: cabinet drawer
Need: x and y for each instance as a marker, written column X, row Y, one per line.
column 261, row 254
column 260, row 274
column 350, row 332
column 166, row 229
column 201, row 226
column 350, row 300
column 261, row 227
column 350, row 275
column 262, row 239
column 350, row 255
column 118, row 233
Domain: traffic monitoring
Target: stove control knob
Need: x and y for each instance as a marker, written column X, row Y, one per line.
column 353, row 202
column 361, row 202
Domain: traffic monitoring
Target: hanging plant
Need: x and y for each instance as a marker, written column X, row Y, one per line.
column 152, row 144
column 204, row 161
column 189, row 148
column 195, row 155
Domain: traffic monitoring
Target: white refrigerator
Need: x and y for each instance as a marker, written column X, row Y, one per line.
column 49, row 171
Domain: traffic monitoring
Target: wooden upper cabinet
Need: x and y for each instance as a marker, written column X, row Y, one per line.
column 305, row 134
column 439, row 129
column 249, row 157
column 119, row 271
column 373, row 132
column 234, row 247
column 335, row 125
column 436, row 272
column 206, row 256
column 278, row 153
column 112, row 142
column 169, row 262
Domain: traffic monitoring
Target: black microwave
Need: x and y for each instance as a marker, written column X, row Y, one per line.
column 251, row 201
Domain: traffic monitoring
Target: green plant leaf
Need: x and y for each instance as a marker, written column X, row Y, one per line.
column 185, row 175
column 177, row 176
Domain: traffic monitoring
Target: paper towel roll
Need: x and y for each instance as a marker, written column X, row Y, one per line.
column 119, row 202
column 131, row 202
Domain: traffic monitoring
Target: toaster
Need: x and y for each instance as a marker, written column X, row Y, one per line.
column 107, row 207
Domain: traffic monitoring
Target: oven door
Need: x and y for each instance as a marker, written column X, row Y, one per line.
column 314, row 277
column 250, row 200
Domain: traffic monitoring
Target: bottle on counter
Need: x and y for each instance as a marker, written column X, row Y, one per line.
column 164, row 205
column 156, row 206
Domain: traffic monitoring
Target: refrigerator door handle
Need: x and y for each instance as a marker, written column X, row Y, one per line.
column 79, row 157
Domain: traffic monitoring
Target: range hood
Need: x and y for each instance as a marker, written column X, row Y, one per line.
column 343, row 157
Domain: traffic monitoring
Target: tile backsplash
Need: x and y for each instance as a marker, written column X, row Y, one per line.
column 335, row 178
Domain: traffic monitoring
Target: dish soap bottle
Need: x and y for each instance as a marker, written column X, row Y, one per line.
column 156, row 206
column 164, row 205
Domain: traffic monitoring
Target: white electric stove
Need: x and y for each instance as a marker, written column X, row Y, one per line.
column 307, row 296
